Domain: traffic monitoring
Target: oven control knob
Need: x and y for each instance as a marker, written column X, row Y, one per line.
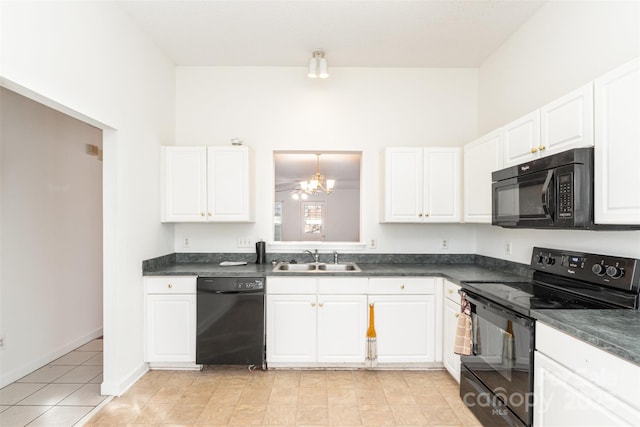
column 598, row 269
column 540, row 259
column 615, row 272
column 550, row 260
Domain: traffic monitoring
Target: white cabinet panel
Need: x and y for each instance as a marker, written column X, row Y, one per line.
column 184, row 184
column 228, row 184
column 522, row 139
column 291, row 328
column 403, row 184
column 481, row 158
column 405, row 328
column 451, row 311
column 442, row 171
column 617, row 147
column 567, row 122
column 342, row 327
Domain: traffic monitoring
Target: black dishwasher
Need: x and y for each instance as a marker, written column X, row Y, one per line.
column 230, row 321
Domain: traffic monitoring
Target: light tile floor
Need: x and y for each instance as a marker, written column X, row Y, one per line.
column 58, row 394
column 229, row 396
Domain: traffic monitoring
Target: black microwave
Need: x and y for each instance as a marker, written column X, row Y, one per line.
column 551, row 192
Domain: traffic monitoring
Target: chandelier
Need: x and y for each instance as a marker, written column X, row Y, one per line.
column 317, row 181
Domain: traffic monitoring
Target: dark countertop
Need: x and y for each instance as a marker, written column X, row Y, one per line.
column 614, row 331
column 455, row 272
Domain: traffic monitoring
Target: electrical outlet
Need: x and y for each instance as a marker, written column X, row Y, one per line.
column 444, row 244
column 245, row 242
column 1, row 341
column 185, row 242
column 373, row 244
column 507, row 248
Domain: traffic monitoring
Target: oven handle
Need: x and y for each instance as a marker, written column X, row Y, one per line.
column 546, row 197
column 498, row 310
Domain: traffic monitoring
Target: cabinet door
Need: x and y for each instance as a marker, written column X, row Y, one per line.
column 522, row 139
column 405, row 327
column 564, row 398
column 617, row 147
column 450, row 360
column 481, row 158
column 291, row 328
column 403, row 185
column 567, row 122
column 228, row 184
column 170, row 328
column 342, row 328
column 184, row 184
column 442, row 174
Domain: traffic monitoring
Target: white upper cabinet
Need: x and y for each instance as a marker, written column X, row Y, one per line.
column 206, row 184
column 560, row 125
column 567, row 122
column 481, row 157
column 617, row 146
column 184, row 183
column 522, row 139
column 422, row 185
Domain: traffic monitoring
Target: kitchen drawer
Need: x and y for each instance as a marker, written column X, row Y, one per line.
column 451, row 291
column 343, row 285
column 403, row 285
column 170, row 285
column 297, row 285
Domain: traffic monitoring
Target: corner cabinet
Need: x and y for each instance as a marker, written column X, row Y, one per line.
column 201, row 184
column 481, row 157
column 451, row 312
column 576, row 384
column 422, row 185
column 408, row 319
column 170, row 322
column 617, row 150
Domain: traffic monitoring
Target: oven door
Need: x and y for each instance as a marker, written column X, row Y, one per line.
column 524, row 201
column 502, row 355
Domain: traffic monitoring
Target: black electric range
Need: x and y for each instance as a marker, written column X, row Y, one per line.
column 496, row 377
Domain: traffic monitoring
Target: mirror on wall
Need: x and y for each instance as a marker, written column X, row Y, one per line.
column 317, row 196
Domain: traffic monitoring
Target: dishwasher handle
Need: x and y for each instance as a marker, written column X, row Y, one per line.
column 247, row 292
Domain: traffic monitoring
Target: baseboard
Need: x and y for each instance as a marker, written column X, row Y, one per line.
column 119, row 388
column 13, row 375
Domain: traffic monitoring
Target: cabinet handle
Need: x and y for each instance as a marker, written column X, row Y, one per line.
column 450, row 291
column 542, row 147
column 457, row 314
column 210, row 214
column 170, row 286
column 321, row 304
column 420, row 215
column 313, row 304
column 201, row 213
column 426, row 214
column 534, row 150
column 401, row 286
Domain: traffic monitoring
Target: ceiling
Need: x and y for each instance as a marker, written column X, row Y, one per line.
column 354, row 33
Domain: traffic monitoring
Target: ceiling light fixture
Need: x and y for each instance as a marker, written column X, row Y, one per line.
column 318, row 67
column 318, row 182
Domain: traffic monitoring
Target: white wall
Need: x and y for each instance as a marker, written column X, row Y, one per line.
column 88, row 58
column 51, row 218
column 563, row 46
column 358, row 109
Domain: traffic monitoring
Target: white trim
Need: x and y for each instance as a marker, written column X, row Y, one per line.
column 119, row 388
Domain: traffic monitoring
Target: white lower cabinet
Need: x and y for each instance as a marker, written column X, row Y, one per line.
column 170, row 321
column 316, row 321
column 407, row 319
column 576, row 384
column 450, row 360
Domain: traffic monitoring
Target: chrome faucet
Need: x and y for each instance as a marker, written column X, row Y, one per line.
column 335, row 257
column 313, row 255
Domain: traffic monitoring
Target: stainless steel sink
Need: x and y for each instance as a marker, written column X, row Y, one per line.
column 316, row 268
column 349, row 266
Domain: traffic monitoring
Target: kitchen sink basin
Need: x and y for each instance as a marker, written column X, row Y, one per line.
column 317, row 267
